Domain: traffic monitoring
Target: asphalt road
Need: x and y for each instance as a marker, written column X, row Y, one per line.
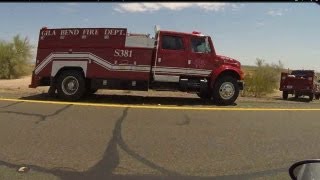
column 97, row 141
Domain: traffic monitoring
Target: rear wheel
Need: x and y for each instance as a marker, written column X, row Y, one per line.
column 71, row 85
column 52, row 91
column 226, row 91
column 285, row 95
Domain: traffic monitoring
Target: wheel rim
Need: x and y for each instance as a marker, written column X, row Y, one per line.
column 226, row 90
column 70, row 85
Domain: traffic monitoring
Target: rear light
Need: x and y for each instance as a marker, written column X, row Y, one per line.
column 283, row 77
column 310, row 78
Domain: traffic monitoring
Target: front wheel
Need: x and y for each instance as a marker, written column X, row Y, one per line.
column 71, row 85
column 226, row 90
column 317, row 96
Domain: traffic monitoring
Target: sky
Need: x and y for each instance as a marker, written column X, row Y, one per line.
column 288, row 32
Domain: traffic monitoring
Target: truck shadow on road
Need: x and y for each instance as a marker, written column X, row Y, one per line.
column 110, row 160
column 132, row 100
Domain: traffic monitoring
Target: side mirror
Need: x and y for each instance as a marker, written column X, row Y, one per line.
column 305, row 170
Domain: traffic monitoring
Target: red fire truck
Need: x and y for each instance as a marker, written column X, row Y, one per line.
column 79, row 61
column 300, row 83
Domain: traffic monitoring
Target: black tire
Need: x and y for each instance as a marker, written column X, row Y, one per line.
column 285, row 95
column 296, row 96
column 52, row 91
column 317, row 96
column 224, row 82
column 64, row 92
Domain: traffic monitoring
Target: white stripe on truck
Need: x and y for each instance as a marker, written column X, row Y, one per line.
column 57, row 65
column 96, row 59
column 181, row 71
column 117, row 67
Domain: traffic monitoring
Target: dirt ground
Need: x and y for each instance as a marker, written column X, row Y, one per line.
column 20, row 87
column 15, row 83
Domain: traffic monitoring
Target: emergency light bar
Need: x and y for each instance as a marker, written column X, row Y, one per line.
column 197, row 33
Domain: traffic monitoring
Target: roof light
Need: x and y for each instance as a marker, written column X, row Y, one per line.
column 44, row 27
column 196, row 32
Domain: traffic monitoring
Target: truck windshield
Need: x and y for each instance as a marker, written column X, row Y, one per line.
column 302, row 73
column 200, row 45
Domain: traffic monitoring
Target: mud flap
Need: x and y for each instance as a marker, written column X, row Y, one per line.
column 34, row 82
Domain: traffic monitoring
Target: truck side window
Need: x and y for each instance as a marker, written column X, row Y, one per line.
column 172, row 43
column 200, row 45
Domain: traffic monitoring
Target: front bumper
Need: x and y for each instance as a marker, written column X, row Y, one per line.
column 300, row 91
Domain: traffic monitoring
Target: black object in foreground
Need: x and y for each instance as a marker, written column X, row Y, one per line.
column 305, row 170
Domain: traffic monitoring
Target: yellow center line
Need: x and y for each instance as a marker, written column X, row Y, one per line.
column 160, row 106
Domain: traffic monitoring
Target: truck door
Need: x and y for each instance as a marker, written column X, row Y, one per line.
column 171, row 59
column 200, row 56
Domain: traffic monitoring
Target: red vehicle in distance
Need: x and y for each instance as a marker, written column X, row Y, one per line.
column 79, row 61
column 300, row 83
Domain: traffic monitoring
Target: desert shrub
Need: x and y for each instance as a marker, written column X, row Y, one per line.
column 15, row 57
column 262, row 80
